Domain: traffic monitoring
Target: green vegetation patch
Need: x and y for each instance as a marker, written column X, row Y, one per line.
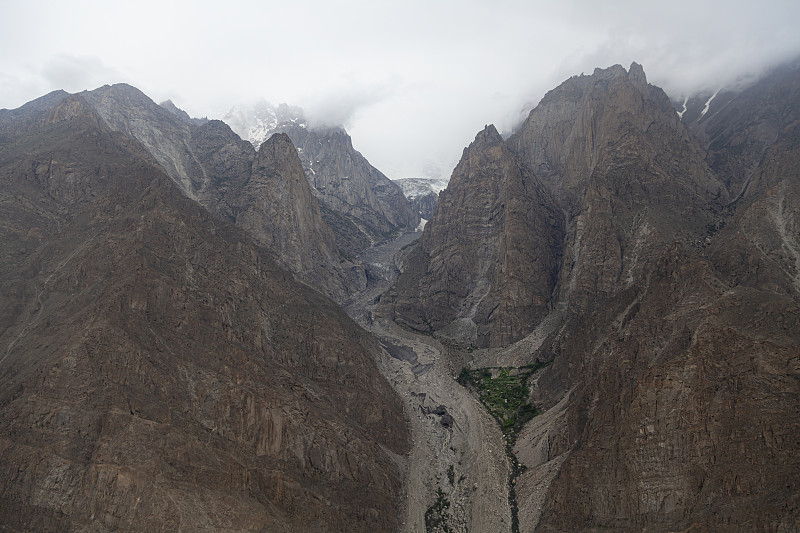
column 504, row 391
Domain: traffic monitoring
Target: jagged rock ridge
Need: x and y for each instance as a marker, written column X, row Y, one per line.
column 362, row 205
column 158, row 370
column 214, row 166
column 486, row 263
column 673, row 323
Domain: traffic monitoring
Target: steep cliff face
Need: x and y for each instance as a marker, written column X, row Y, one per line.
column 277, row 190
column 740, row 127
column 486, row 265
column 627, row 172
column 587, row 119
column 219, row 170
column 158, row 370
column 673, row 312
column 361, row 205
column 345, row 182
column 673, row 364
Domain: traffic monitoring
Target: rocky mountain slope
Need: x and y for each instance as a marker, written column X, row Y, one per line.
column 740, row 126
column 362, row 205
column 157, row 369
column 673, row 325
column 224, row 173
column 485, row 267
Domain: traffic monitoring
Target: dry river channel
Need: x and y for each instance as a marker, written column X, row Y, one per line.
column 457, row 469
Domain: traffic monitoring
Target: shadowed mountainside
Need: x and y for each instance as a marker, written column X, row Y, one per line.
column 674, row 321
column 158, row 369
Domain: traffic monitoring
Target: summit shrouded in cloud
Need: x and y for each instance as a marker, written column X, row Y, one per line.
column 410, row 81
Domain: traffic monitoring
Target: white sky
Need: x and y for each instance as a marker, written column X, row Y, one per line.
column 412, row 81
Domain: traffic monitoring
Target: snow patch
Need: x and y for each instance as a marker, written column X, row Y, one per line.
column 415, row 187
column 680, row 113
column 258, row 122
column 422, row 223
column 708, row 104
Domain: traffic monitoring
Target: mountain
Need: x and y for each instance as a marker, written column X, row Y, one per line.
column 740, row 125
column 422, row 194
column 259, row 122
column 362, row 205
column 673, row 323
column 212, row 165
column 158, row 369
column 485, row 267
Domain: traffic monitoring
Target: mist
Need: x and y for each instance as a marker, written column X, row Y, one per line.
column 412, row 81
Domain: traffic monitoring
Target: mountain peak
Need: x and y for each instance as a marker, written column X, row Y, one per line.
column 636, row 73
column 170, row 106
column 488, row 136
column 70, row 108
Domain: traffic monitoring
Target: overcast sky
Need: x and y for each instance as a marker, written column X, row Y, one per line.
column 412, row 81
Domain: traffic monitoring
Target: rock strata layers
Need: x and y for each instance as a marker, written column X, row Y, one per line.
column 486, row 264
column 158, row 370
column 212, row 165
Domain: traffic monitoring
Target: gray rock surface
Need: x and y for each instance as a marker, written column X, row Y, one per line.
column 158, row 370
column 485, row 268
column 212, row 165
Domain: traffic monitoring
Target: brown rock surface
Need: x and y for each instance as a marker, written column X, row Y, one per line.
column 222, row 172
column 486, row 264
column 277, row 190
column 682, row 359
column 373, row 207
column 158, row 370
column 674, row 324
column 741, row 127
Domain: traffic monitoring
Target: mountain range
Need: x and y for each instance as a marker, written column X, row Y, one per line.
column 360, row 204
column 654, row 263
column 622, row 275
column 159, row 368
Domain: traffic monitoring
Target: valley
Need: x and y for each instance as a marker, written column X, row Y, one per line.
column 456, row 446
column 594, row 327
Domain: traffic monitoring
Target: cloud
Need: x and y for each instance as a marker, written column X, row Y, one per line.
column 76, row 73
column 412, row 81
column 339, row 105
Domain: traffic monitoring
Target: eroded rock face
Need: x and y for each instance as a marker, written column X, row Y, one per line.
column 486, row 264
column 277, row 191
column 739, row 129
column 212, row 165
column 158, row 370
column 361, row 205
column 345, row 182
column 673, row 325
column 677, row 366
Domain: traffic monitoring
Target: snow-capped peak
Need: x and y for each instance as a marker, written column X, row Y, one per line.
column 256, row 123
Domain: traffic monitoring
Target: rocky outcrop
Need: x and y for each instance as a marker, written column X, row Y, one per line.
column 277, row 190
column 486, row 265
column 740, row 126
column 158, row 370
column 212, row 165
column 658, row 339
column 345, row 182
column 361, row 205
column 588, row 119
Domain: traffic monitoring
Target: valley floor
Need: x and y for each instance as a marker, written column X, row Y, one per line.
column 457, row 470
